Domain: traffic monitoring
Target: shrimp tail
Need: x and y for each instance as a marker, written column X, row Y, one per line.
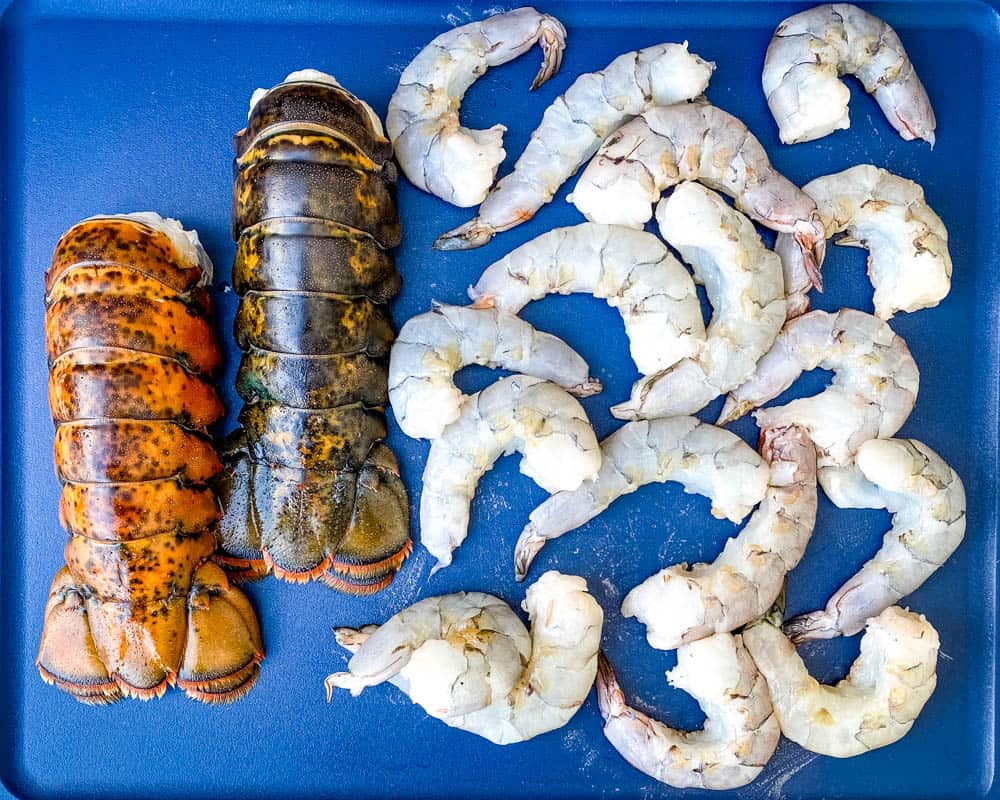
column 529, row 544
column 813, row 251
column 610, row 698
column 815, row 625
column 553, row 42
column 467, row 236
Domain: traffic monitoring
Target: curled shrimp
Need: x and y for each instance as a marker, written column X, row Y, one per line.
column 908, row 260
column 574, row 126
column 745, row 287
column 812, row 49
column 694, row 141
column 535, row 418
column 468, row 660
column 740, row 733
column 431, row 347
column 875, row 705
column 704, row 459
column 683, row 604
column 927, row 501
column 436, row 152
column 874, row 386
column 630, row 269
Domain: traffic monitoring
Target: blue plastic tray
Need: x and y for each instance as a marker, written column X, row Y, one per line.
column 111, row 106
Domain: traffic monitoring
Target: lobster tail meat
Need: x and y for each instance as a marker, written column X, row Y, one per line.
column 309, row 492
column 139, row 606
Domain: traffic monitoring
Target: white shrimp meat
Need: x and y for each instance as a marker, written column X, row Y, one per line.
column 812, row 49
column 875, row 705
column 632, row 270
column 520, row 413
column 432, row 347
column 686, row 142
column 683, row 604
column 436, row 152
column 704, row 459
column 744, row 284
column 873, row 390
column 740, row 732
column 927, row 501
column 468, row 660
column 908, row 260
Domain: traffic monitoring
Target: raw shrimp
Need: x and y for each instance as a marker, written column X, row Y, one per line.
column 873, row 390
column 683, row 604
column 630, row 269
column 694, row 141
column 745, row 287
column 740, row 732
column 704, row 459
column 811, row 49
column 468, row 660
column 535, row 418
column 875, row 705
column 436, row 152
column 908, row 260
column 573, row 128
column 431, row 347
column 927, row 502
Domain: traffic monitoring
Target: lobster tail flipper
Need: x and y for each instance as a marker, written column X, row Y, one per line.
column 67, row 657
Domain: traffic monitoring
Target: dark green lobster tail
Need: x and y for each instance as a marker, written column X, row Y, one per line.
column 309, row 491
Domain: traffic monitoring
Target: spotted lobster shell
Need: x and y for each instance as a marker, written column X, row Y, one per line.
column 139, row 605
column 309, row 491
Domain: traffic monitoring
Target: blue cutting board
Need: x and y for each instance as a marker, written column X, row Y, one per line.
column 112, row 106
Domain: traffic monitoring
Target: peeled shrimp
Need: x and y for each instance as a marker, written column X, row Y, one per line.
column 875, row 705
column 745, row 287
column 873, row 390
column 908, row 260
column 811, row 49
column 927, row 502
column 431, row 347
column 468, row 660
column 529, row 415
column 704, row 459
column 436, row 152
column 740, row 732
column 683, row 604
column 694, row 141
column 630, row 269
column 574, row 126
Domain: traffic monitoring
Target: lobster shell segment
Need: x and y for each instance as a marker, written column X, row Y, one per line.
column 139, row 606
column 309, row 492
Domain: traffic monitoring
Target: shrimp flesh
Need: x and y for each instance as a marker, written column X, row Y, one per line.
column 436, row 152
column 744, row 284
column 704, row 459
column 632, row 270
column 812, row 49
column 908, row 260
column 740, row 732
column 468, row 660
column 875, row 705
column 431, row 347
column 573, row 128
column 927, row 502
column 873, row 390
column 694, row 141
column 683, row 604
column 532, row 416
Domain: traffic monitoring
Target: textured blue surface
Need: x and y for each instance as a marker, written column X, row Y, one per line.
column 112, row 108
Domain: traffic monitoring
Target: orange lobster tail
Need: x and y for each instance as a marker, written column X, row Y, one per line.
column 139, row 606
